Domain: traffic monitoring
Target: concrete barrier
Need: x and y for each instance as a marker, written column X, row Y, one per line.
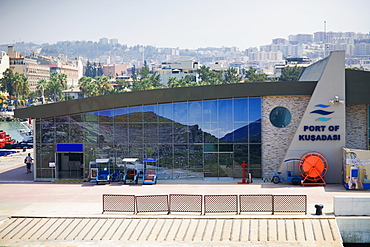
column 352, row 218
column 351, row 206
column 354, row 229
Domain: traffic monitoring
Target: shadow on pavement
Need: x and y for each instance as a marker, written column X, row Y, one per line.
column 17, row 174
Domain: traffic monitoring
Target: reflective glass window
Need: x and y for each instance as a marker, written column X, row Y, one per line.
column 135, row 133
column 106, row 133
column 150, row 114
column 121, row 133
column 165, row 113
column 280, row 117
column 195, row 134
column 241, row 132
column 135, row 114
column 150, row 132
column 241, row 110
column 76, row 132
column 180, row 112
column 195, row 112
column 62, row 119
column 91, row 132
column 210, row 148
column 62, row 133
column 255, row 109
column 225, row 110
column 226, row 132
column 77, row 118
column 120, row 114
column 91, row 116
column 180, row 165
column 180, row 133
column 106, row 115
column 209, row 111
column 165, row 161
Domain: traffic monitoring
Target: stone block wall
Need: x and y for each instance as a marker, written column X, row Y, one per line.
column 357, row 127
column 276, row 141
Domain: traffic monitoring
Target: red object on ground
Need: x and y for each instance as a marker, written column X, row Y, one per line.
column 313, row 167
column 244, row 174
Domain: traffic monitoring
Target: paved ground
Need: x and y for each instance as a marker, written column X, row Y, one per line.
column 59, row 205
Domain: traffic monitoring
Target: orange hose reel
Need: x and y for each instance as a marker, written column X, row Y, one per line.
column 313, row 167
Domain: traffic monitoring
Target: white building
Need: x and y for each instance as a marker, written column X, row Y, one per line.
column 269, row 56
column 178, row 70
column 4, row 62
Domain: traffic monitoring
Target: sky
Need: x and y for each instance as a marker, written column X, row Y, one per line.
column 186, row 24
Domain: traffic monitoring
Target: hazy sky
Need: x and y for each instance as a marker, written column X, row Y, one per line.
column 177, row 23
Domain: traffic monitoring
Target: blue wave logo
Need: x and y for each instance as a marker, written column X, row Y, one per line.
column 322, row 106
column 322, row 112
column 322, row 119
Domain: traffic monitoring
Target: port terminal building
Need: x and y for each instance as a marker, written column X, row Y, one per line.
column 207, row 132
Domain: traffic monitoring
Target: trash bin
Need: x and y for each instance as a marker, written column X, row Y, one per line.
column 319, row 208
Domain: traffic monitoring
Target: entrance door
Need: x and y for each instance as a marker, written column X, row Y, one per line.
column 70, row 165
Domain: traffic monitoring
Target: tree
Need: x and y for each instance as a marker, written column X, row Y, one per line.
column 290, row 73
column 144, row 72
column 90, row 70
column 56, row 85
column 252, row 76
column 7, row 82
column 87, row 87
column 103, row 85
column 14, row 84
column 232, row 76
column 143, row 84
column 21, row 86
column 122, row 85
column 155, row 79
column 41, row 85
column 99, row 70
column 173, row 82
column 209, row 77
column 204, row 73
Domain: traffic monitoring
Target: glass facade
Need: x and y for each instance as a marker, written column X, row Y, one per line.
column 194, row 139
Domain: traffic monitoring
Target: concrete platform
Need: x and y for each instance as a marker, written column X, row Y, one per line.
column 71, row 214
column 169, row 231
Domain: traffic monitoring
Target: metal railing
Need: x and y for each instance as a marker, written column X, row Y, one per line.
column 256, row 203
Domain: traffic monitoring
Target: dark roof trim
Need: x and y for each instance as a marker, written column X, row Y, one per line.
column 357, row 87
column 148, row 97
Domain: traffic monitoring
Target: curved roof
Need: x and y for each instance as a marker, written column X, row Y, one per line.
column 148, row 97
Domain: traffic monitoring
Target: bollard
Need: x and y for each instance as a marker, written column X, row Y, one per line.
column 319, row 208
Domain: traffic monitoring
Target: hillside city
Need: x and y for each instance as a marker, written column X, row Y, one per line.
column 109, row 64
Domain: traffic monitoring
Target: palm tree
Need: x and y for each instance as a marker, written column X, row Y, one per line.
column 173, row 82
column 20, row 85
column 87, row 87
column 232, row 76
column 41, row 85
column 103, row 85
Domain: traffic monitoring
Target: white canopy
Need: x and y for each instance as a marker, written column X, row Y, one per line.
column 102, row 160
column 129, row 159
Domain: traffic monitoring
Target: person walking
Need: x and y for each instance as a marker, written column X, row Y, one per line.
column 28, row 160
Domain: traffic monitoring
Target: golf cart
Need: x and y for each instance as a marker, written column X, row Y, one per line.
column 150, row 175
column 100, row 171
column 291, row 172
column 130, row 170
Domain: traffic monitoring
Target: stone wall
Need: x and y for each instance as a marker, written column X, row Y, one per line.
column 357, row 127
column 276, row 141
